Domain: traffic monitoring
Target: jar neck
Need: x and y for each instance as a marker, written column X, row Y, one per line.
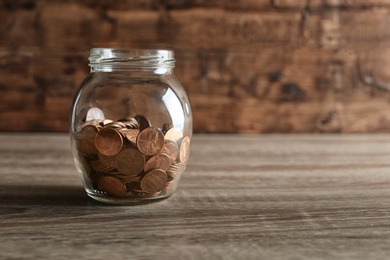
column 132, row 71
column 121, row 60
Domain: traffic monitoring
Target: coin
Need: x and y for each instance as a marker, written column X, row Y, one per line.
column 170, row 148
column 172, row 170
column 130, row 161
column 95, row 113
column 168, row 186
column 131, row 135
column 86, row 140
column 169, row 180
column 107, row 160
column 123, row 131
column 99, row 167
column 134, row 187
column 174, row 134
column 116, row 125
column 154, row 181
column 143, row 122
column 109, row 142
column 106, row 122
column 83, row 163
column 149, row 195
column 131, row 123
column 159, row 161
column 91, row 122
column 184, row 149
column 128, row 179
column 112, row 186
column 150, row 141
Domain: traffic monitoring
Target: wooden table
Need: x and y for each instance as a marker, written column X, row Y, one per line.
column 242, row 197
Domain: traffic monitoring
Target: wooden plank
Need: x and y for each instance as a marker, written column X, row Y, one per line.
column 272, row 196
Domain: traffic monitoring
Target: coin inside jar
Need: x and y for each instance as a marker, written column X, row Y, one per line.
column 116, row 125
column 112, row 186
column 170, row 148
column 95, row 113
column 130, row 161
column 172, row 171
column 107, row 160
column 143, row 122
column 86, row 139
column 131, row 123
column 158, row 161
column 154, row 181
column 106, row 122
column 174, row 134
column 93, row 122
column 150, row 141
column 109, row 141
column 184, row 149
column 131, row 135
column 99, row 167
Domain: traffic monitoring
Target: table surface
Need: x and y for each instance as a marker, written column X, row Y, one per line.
column 241, row 197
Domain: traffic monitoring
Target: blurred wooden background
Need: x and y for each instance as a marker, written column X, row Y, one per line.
column 249, row 66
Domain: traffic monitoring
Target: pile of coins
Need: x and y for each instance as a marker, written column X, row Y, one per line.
column 130, row 157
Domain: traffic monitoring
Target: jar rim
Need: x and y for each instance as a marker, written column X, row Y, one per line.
column 131, row 58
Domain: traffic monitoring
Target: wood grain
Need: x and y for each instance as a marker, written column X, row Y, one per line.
column 269, row 66
column 267, row 196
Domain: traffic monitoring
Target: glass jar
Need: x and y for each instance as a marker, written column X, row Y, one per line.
column 131, row 126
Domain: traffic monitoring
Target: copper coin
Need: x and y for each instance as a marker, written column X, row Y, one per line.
column 131, row 135
column 168, row 186
column 184, row 149
column 123, row 131
column 128, row 179
column 172, row 171
column 130, row 161
column 116, row 125
column 86, row 140
column 91, row 122
column 131, row 123
column 99, row 167
column 159, row 161
column 149, row 195
column 154, row 181
column 170, row 148
column 150, row 141
column 112, row 186
column 106, row 122
column 95, row 113
column 110, row 161
column 109, row 142
column 83, row 163
column 174, row 134
column 143, row 122
column 170, row 180
column 134, row 187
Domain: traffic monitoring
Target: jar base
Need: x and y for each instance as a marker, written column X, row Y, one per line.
column 104, row 198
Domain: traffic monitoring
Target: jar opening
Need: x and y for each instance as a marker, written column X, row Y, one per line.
column 106, row 59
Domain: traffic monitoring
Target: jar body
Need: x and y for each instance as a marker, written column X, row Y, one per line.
column 130, row 134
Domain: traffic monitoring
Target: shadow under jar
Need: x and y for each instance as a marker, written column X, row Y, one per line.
column 131, row 126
